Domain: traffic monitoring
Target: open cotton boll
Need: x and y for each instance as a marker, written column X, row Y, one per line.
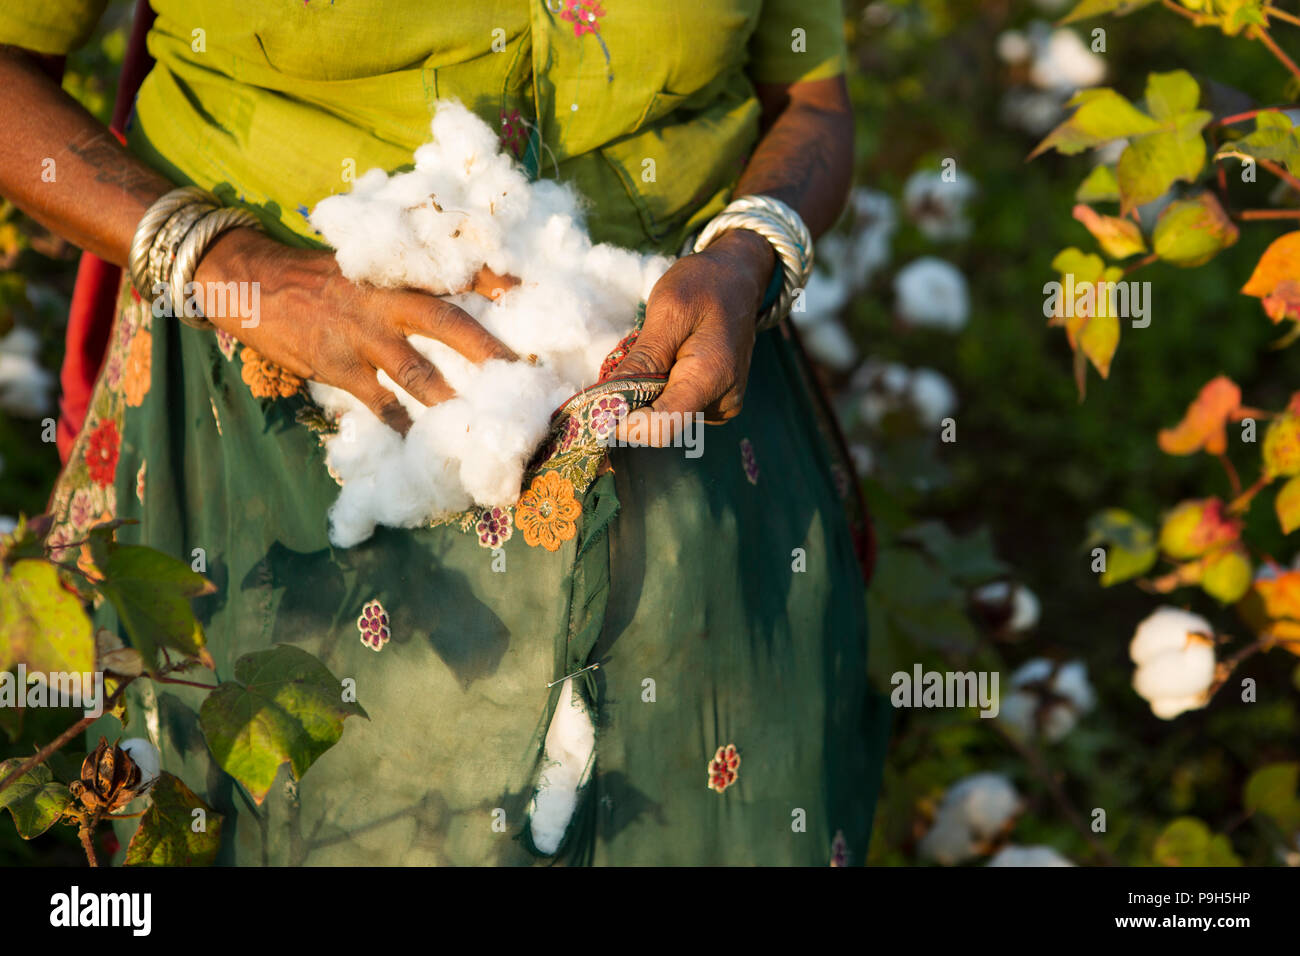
column 1013, row 855
column 145, row 756
column 464, row 206
column 1165, row 629
column 973, row 811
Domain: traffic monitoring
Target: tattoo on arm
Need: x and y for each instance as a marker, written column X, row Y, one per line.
column 114, row 166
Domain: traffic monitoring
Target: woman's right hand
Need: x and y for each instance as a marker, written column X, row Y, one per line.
column 321, row 326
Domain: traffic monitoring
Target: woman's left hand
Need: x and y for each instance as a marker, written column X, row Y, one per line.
column 699, row 327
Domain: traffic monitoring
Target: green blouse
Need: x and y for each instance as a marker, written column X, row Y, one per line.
column 648, row 108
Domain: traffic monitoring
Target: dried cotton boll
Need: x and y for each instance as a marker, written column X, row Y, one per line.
column 1012, row 855
column 466, row 206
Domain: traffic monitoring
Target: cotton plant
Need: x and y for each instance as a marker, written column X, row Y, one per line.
column 1008, row 607
column 1046, row 699
column 974, row 814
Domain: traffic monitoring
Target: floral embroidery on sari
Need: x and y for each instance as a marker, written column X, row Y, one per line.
column 547, row 512
column 724, row 768
column 494, row 527
column 265, row 379
column 373, row 625
column 139, row 482
column 137, row 374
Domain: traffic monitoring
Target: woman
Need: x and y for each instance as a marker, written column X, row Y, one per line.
column 720, row 594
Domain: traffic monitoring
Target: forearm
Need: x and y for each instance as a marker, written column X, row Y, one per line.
column 804, row 159
column 94, row 192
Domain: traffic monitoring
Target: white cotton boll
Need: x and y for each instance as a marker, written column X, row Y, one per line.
column 21, row 340
column 932, row 396
column 974, row 810
column 1033, row 111
column 948, row 842
column 1019, row 711
column 938, row 205
column 24, row 386
column 1013, row 855
column 145, row 756
column 1182, row 673
column 988, row 802
column 1072, row 683
column 1165, row 629
column 823, row 297
column 466, row 206
column 1032, row 671
column 864, row 459
column 1058, row 720
column 1063, row 63
column 1167, row 708
column 931, row 293
column 1025, row 610
column 1013, row 47
column 566, row 767
column 874, row 221
column 8, row 524
column 830, row 344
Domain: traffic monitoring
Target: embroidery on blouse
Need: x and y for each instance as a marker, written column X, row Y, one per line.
column 724, row 768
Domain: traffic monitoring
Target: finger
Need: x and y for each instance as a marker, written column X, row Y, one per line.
column 452, row 326
column 658, row 425
column 382, row 402
column 412, row 371
column 656, row 346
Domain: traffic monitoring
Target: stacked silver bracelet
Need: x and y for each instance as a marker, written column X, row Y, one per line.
column 784, row 229
column 170, row 240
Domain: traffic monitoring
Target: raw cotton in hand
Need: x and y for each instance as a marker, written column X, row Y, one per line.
column 464, row 206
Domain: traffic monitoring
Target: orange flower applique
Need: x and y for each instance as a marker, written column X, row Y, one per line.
column 136, row 377
column 547, row 512
column 265, row 379
column 724, row 768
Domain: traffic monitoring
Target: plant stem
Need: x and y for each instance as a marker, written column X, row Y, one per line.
column 87, row 834
column 1182, row 11
column 1280, row 173
column 1264, row 37
column 1257, row 214
column 1290, row 18
column 60, row 741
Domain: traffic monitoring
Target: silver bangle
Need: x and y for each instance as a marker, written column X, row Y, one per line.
column 784, row 229
column 163, row 251
column 191, row 250
column 150, row 224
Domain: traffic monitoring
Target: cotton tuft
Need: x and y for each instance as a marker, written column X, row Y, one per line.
column 466, row 205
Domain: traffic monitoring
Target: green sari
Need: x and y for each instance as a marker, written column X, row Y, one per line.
column 720, row 594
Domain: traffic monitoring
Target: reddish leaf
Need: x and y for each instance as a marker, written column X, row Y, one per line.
column 1204, row 424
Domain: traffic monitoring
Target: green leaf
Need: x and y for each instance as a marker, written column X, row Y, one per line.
column 1102, row 115
column 1191, row 232
column 1130, row 545
column 1272, row 791
column 41, row 624
column 35, row 800
column 1100, row 186
column 968, row 560
column 1274, row 139
column 283, row 706
column 151, row 592
column 1096, row 8
column 167, row 834
column 1189, row 842
column 1173, row 151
